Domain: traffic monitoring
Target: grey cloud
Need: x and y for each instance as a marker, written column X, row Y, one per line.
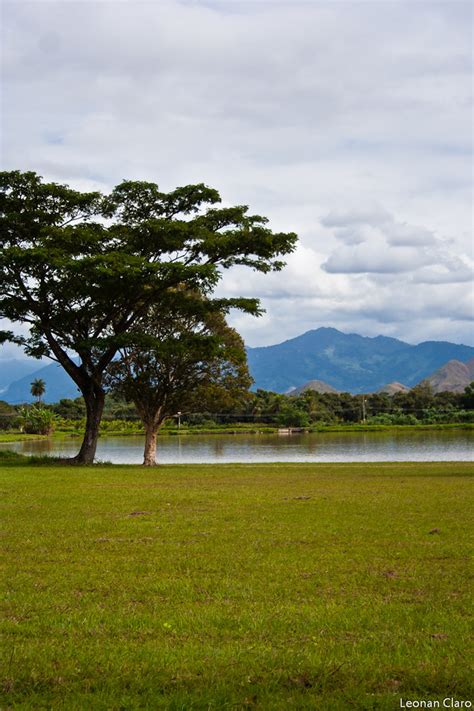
column 350, row 235
column 358, row 216
column 459, row 309
column 444, row 275
column 402, row 311
column 349, row 227
column 367, row 258
column 399, row 234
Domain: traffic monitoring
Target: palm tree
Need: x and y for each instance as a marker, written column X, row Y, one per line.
column 38, row 389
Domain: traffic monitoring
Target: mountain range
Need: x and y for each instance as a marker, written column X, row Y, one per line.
column 58, row 383
column 345, row 362
column 349, row 362
column 15, row 368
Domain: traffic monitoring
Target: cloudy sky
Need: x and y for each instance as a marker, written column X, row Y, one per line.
column 347, row 122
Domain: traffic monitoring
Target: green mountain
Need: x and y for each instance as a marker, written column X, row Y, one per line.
column 348, row 362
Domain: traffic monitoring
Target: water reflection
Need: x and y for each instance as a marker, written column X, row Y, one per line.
column 315, row 447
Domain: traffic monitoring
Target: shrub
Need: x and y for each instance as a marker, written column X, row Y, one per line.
column 8, row 416
column 393, row 418
column 292, row 417
column 37, row 420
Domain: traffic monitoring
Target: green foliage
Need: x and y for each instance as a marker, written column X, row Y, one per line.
column 291, row 416
column 120, row 426
column 393, row 418
column 117, row 408
column 37, row 420
column 114, row 409
column 8, row 416
column 202, row 419
column 415, row 407
column 263, row 409
column 81, row 269
column 70, row 409
column 433, row 416
column 38, row 389
column 467, row 398
column 193, row 359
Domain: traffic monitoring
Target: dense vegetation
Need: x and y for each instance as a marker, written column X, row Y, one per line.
column 417, row 405
column 262, row 408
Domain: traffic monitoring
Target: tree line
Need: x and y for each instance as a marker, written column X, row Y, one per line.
column 240, row 407
column 309, row 408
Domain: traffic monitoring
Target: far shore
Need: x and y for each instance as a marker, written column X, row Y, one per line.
column 6, row 437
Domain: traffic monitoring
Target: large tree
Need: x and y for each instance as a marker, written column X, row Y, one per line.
column 80, row 269
column 185, row 359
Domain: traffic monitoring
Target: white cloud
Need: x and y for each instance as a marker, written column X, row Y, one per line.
column 349, row 123
column 375, row 243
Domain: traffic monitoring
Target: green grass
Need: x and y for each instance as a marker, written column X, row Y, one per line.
column 279, row 586
column 360, row 427
column 18, row 437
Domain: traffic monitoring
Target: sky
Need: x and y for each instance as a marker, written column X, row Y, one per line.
column 349, row 123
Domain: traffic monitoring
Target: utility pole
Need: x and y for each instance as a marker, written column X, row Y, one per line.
column 364, row 414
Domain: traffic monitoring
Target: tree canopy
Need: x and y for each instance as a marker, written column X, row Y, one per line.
column 81, row 268
column 38, row 388
column 189, row 359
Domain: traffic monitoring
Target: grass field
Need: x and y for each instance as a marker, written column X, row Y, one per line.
column 274, row 586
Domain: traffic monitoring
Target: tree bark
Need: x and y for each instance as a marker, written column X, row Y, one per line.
column 93, row 394
column 149, row 455
column 94, row 400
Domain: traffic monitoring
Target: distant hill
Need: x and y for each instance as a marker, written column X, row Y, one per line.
column 349, row 362
column 393, row 388
column 14, row 368
column 453, row 377
column 345, row 362
column 58, row 385
column 316, row 385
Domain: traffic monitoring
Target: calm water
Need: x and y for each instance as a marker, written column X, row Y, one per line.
column 314, row 447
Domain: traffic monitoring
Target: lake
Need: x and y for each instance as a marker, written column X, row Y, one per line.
column 443, row 445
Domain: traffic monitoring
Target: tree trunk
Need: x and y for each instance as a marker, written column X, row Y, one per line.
column 94, row 407
column 149, row 455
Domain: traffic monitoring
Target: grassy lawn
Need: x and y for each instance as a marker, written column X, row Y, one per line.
column 278, row 586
